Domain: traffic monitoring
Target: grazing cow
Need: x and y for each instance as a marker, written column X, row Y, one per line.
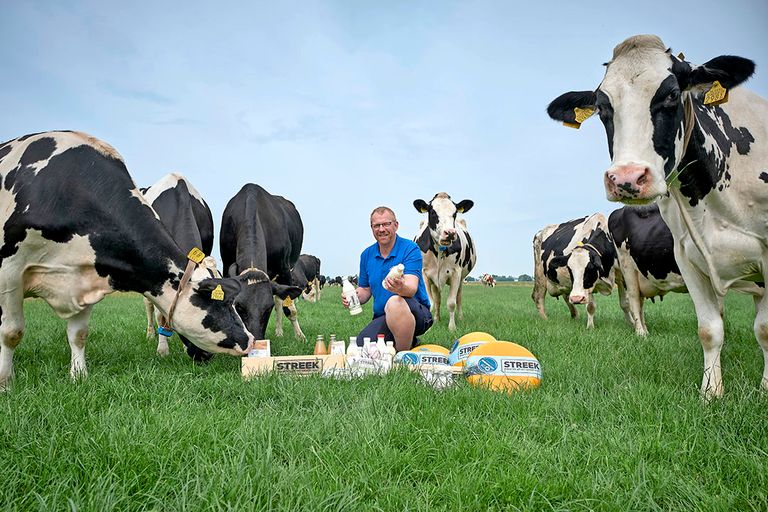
column 74, row 228
column 447, row 250
column 488, row 280
column 260, row 240
column 322, row 281
column 575, row 258
column 647, row 266
column 189, row 221
column 306, row 275
column 687, row 137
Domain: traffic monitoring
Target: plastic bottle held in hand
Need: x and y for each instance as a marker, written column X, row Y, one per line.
column 352, row 299
column 394, row 273
column 320, row 349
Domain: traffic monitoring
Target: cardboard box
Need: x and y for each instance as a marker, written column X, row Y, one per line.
column 293, row 365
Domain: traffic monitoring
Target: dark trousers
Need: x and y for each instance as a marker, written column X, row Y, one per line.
column 378, row 325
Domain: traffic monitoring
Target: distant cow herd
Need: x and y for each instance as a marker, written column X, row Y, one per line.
column 688, row 154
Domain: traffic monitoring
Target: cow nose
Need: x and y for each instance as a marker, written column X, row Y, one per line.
column 577, row 299
column 627, row 181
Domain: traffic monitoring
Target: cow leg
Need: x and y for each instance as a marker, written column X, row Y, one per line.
column 459, row 310
column 761, row 333
column 538, row 294
column 293, row 316
column 636, row 300
column 709, row 309
column 316, row 286
column 278, row 317
column 571, row 308
column 11, row 333
column 77, row 333
column 453, row 291
column 149, row 308
column 590, row 311
column 623, row 299
column 162, row 341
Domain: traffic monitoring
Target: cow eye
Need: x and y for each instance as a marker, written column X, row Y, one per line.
column 672, row 99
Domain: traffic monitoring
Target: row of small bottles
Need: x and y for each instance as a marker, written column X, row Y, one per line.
column 371, row 350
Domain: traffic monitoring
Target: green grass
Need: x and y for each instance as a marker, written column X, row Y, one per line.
column 617, row 424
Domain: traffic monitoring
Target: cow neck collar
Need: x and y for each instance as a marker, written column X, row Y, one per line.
column 590, row 246
column 191, row 265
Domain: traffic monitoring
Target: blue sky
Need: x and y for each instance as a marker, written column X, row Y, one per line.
column 347, row 105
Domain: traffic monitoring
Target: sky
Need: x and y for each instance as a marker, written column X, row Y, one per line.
column 343, row 106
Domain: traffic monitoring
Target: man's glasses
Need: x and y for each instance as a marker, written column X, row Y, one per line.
column 381, row 225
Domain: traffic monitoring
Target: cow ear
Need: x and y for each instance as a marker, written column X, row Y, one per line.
column 421, row 206
column 232, row 270
column 465, row 205
column 573, row 108
column 218, row 289
column 729, row 70
column 284, row 291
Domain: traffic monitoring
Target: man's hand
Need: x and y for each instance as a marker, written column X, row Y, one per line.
column 395, row 285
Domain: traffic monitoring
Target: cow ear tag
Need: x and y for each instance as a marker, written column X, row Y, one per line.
column 681, row 56
column 217, row 293
column 580, row 115
column 287, row 302
column 716, row 95
column 579, row 244
column 196, row 255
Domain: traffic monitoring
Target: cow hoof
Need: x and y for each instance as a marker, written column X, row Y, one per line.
column 764, row 384
column 150, row 334
column 163, row 352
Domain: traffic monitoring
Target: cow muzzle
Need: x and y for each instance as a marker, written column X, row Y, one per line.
column 629, row 183
column 447, row 236
column 577, row 299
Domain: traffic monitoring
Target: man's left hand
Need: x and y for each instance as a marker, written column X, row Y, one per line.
column 395, row 285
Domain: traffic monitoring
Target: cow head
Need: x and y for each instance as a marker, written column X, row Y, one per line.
column 642, row 104
column 588, row 266
column 205, row 314
column 255, row 301
column 442, row 216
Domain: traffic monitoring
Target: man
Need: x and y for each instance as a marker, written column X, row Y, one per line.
column 400, row 305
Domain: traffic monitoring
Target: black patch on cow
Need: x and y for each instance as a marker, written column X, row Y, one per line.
column 647, row 238
column 729, row 70
column 306, row 270
column 465, row 263
column 262, row 231
column 83, row 192
column 25, row 137
column 424, row 241
column 602, row 256
column 189, row 222
column 667, row 118
column 605, row 111
column 764, row 176
column 703, row 170
column 562, row 107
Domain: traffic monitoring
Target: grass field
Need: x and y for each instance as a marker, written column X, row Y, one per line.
column 617, row 424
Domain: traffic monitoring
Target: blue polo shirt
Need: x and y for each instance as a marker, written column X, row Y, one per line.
column 374, row 268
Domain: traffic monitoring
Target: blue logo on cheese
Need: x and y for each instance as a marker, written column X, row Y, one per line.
column 487, row 365
column 410, row 358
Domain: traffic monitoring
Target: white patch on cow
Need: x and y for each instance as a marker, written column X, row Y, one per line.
column 63, row 274
column 167, row 182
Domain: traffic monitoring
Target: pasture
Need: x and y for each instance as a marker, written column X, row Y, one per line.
column 617, row 425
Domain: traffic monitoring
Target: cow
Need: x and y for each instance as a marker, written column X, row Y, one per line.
column 260, row 240
column 186, row 215
column 576, row 259
column 322, row 281
column 647, row 266
column 448, row 252
column 75, row 228
column 687, row 137
column 306, row 275
column 488, row 280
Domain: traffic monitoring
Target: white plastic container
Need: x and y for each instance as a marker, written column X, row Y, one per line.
column 394, row 273
column 352, row 299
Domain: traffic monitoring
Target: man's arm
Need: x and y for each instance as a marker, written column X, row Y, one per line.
column 364, row 294
column 405, row 286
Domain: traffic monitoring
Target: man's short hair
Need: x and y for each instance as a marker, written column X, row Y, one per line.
column 382, row 209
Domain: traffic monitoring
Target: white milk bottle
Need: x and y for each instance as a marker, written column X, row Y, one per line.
column 352, row 299
column 394, row 273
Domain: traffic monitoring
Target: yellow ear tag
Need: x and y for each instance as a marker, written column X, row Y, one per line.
column 288, row 302
column 716, row 95
column 681, row 56
column 217, row 293
column 196, row 255
column 579, row 244
column 580, row 115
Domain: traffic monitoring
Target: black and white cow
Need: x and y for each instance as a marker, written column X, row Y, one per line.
column 74, row 228
column 322, row 280
column 675, row 137
column 186, row 215
column 306, row 275
column 575, row 259
column 647, row 266
column 260, row 240
column 447, row 250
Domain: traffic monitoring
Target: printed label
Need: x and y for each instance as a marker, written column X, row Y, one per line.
column 299, row 366
column 504, row 366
